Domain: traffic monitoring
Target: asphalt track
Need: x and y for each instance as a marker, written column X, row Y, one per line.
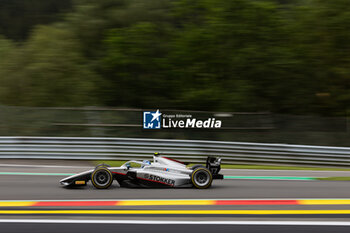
column 46, row 187
column 27, row 187
column 169, row 228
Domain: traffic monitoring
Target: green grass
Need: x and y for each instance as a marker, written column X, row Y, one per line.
column 337, row 178
column 262, row 167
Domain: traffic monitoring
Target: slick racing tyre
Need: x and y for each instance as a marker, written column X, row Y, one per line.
column 201, row 178
column 102, row 165
column 194, row 167
column 102, row 178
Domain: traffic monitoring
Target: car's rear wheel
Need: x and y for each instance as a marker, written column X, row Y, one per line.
column 194, row 167
column 102, row 178
column 201, row 178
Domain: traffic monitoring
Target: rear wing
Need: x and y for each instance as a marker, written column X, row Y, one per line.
column 214, row 166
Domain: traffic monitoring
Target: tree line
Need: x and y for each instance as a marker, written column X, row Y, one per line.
column 218, row 55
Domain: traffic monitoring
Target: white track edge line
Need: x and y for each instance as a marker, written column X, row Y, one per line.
column 84, row 221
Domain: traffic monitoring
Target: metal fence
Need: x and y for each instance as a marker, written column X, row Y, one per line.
column 258, row 127
column 89, row 148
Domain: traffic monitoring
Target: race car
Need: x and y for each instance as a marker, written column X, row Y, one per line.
column 162, row 172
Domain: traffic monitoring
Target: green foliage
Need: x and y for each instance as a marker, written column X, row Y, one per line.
column 238, row 55
column 137, row 59
column 46, row 71
column 18, row 17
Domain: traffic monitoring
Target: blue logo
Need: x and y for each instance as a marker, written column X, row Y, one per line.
column 151, row 120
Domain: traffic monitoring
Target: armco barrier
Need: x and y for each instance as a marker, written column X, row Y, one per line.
column 88, row 148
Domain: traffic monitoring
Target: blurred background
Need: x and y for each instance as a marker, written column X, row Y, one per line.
column 271, row 70
column 77, row 75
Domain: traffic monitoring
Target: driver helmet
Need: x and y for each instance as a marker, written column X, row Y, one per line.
column 145, row 163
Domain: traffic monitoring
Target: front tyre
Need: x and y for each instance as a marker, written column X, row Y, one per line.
column 201, row 178
column 102, row 178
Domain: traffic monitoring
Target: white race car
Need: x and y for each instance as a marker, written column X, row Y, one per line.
column 162, row 172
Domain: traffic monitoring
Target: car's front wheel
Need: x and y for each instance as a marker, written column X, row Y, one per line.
column 102, row 178
column 201, row 178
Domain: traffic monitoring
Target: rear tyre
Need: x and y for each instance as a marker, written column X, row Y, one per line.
column 102, row 178
column 194, row 167
column 201, row 178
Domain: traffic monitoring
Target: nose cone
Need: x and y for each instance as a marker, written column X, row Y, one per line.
column 67, row 181
column 70, row 180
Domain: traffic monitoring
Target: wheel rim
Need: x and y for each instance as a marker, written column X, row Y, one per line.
column 102, row 178
column 201, row 178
